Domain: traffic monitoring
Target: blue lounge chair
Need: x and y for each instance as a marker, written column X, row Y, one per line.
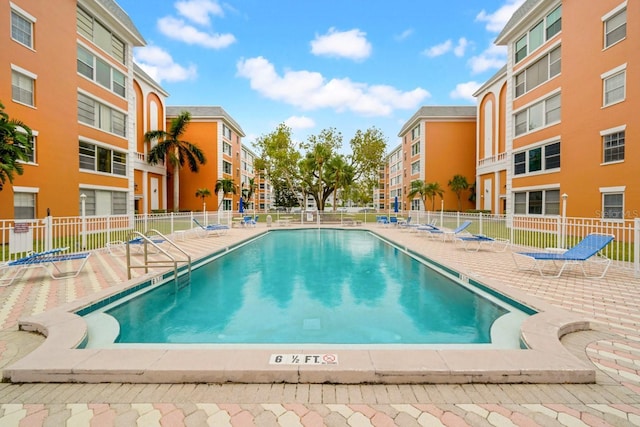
column 381, row 219
column 476, row 241
column 446, row 234
column 249, row 221
column 118, row 247
column 217, row 229
column 46, row 259
column 580, row 254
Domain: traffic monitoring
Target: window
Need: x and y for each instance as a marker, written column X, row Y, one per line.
column 415, row 149
column 613, row 147
column 540, row 202
column 415, row 167
column 614, row 88
column 415, row 132
column 22, row 28
column 101, row 159
column 615, row 28
column 538, row 34
column 101, row 72
column 100, row 35
column 539, row 72
column 226, row 205
column 538, row 159
column 93, row 113
column 226, row 132
column 24, row 205
column 22, row 88
column 554, row 22
column 103, row 202
column 226, row 167
column 543, row 113
column 31, row 157
column 613, row 205
column 226, row 148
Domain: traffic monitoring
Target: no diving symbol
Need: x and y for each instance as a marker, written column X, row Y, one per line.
column 330, row 359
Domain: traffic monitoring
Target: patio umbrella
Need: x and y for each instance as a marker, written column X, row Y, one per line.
column 395, row 205
column 241, row 206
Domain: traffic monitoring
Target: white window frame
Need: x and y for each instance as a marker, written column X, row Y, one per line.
column 114, row 165
column 415, row 167
column 95, row 203
column 612, row 191
column 415, row 148
column 103, row 115
column 226, row 132
column 25, row 17
column 545, row 203
column 113, row 84
column 26, row 76
column 225, row 167
column 529, row 108
column 607, row 77
column 226, row 148
column 543, row 158
column 93, row 35
column 33, row 191
column 608, row 132
column 621, row 8
column 34, row 136
column 527, row 46
column 415, row 133
column 520, row 79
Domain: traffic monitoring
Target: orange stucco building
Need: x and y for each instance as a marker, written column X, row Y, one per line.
column 73, row 81
column 219, row 137
column 438, row 142
column 553, row 124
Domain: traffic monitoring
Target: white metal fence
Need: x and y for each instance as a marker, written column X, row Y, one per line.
column 19, row 237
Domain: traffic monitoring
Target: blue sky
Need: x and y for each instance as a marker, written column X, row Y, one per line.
column 315, row 64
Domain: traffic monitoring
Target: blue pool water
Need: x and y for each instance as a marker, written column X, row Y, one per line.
column 311, row 286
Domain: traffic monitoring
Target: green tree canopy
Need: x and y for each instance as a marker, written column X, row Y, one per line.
column 458, row 184
column 226, row 186
column 175, row 150
column 15, row 146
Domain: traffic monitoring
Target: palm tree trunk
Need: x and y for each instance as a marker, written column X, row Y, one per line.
column 176, row 189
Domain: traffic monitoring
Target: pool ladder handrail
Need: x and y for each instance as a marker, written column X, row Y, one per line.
column 147, row 240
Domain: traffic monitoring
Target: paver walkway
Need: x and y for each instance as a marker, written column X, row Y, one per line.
column 613, row 347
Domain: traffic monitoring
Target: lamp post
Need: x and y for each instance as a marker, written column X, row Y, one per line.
column 564, row 196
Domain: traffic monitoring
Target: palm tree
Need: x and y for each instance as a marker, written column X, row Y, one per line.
column 203, row 192
column 227, row 186
column 418, row 188
column 15, row 146
column 458, row 184
column 175, row 150
column 249, row 190
column 341, row 174
column 433, row 189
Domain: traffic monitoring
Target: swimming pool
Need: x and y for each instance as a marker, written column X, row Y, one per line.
column 313, row 286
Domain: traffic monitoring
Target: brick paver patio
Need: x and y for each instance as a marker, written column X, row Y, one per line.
column 613, row 347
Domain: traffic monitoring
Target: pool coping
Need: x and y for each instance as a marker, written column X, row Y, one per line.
column 59, row 360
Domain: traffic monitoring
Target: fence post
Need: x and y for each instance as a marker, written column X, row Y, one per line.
column 48, row 233
column 83, row 231
column 172, row 217
column 636, row 246
column 480, row 223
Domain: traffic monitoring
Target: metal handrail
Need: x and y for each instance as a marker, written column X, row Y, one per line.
column 146, row 239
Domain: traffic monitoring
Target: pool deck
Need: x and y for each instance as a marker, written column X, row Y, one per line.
column 610, row 351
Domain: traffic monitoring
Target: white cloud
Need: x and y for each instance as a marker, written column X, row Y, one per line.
column 405, row 34
column 465, row 91
column 160, row 66
column 447, row 46
column 310, row 90
column 300, row 122
column 460, row 47
column 493, row 57
column 350, row 44
column 439, row 49
column 179, row 30
column 198, row 11
column 497, row 20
